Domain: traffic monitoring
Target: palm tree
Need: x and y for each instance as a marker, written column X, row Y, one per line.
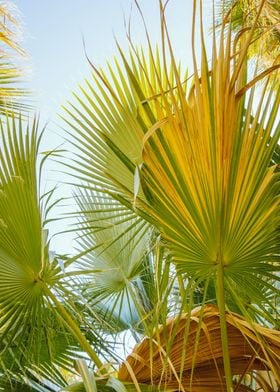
column 192, row 160
column 177, row 207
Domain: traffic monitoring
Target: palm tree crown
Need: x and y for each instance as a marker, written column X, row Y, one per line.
column 177, row 195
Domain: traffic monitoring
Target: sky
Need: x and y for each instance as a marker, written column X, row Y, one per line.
column 53, row 34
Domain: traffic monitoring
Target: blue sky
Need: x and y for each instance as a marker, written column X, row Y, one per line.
column 52, row 36
column 53, row 32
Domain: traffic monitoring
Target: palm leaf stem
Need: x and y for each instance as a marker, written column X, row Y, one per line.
column 223, row 324
column 75, row 330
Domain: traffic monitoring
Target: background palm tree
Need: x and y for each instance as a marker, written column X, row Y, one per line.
column 266, row 42
column 10, row 72
column 192, row 160
column 177, row 206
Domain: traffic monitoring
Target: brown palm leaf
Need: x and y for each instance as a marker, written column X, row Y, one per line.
column 194, row 360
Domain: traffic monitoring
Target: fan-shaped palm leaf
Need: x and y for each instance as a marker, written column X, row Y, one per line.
column 204, row 153
column 24, row 251
column 30, row 313
column 266, row 40
column 26, row 325
column 110, row 124
column 115, row 241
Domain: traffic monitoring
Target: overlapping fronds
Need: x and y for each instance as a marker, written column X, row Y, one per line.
column 115, row 231
column 23, row 249
column 28, row 323
column 9, row 25
column 41, row 327
column 196, row 159
column 115, row 242
column 202, row 158
column 127, row 279
column 266, row 42
column 40, row 356
column 153, row 361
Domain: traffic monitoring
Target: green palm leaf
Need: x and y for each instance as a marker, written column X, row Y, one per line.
column 110, row 122
column 203, row 162
column 26, row 324
column 265, row 44
column 23, row 259
column 10, row 74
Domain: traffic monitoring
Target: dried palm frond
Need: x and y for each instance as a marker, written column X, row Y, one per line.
column 194, row 361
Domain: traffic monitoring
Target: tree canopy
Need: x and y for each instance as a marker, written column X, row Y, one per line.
column 176, row 191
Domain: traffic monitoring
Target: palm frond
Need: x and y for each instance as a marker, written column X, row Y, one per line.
column 201, row 162
column 21, row 240
column 114, row 242
column 29, row 321
column 266, row 41
column 163, row 367
column 109, row 123
column 11, row 93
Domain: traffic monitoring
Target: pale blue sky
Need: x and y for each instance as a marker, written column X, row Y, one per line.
column 52, row 36
column 53, row 31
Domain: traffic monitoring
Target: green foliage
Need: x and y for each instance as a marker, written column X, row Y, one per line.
column 10, row 94
column 177, row 205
